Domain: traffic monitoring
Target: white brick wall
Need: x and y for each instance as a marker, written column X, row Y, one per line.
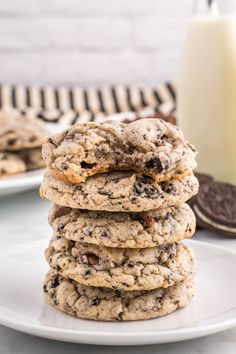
column 91, row 42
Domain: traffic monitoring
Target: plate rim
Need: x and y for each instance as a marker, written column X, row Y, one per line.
column 28, row 178
column 99, row 337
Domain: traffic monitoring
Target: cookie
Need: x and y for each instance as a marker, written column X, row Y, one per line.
column 124, row 230
column 167, row 117
column 119, row 268
column 202, row 179
column 118, row 191
column 20, row 132
column 10, row 164
column 111, row 305
column 32, row 158
column 150, row 146
column 215, row 207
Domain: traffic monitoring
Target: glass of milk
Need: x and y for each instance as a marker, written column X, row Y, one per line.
column 207, row 89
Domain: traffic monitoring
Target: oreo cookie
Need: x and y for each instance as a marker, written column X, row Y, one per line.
column 202, row 179
column 215, row 207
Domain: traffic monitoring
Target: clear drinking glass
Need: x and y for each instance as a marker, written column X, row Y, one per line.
column 207, row 88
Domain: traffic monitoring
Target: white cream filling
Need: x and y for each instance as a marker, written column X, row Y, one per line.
column 213, row 223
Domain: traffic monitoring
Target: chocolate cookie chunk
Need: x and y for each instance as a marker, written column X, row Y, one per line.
column 215, row 207
column 150, row 146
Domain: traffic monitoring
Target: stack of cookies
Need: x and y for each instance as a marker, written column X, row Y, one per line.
column 118, row 219
column 21, row 139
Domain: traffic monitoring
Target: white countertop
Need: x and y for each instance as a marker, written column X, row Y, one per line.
column 24, row 218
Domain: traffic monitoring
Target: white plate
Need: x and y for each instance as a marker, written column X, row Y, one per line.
column 28, row 180
column 22, row 306
column 21, row 182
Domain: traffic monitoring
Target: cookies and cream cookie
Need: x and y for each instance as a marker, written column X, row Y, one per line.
column 103, row 304
column 119, row 268
column 119, row 191
column 20, row 132
column 32, row 158
column 124, row 230
column 11, row 164
column 149, row 146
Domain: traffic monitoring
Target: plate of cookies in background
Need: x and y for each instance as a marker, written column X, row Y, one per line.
column 21, row 162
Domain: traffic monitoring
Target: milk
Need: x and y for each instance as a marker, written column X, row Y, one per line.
column 207, row 94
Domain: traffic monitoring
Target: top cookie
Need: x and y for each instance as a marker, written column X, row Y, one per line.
column 20, row 132
column 151, row 146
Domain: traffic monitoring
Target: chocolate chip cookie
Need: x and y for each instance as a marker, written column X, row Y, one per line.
column 150, row 146
column 32, row 158
column 119, row 268
column 119, row 191
column 20, row 132
column 11, row 164
column 111, row 305
column 124, row 230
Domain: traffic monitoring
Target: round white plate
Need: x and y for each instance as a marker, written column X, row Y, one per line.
column 22, row 305
column 21, row 182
